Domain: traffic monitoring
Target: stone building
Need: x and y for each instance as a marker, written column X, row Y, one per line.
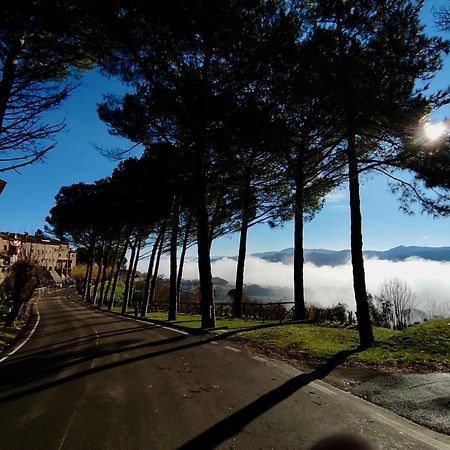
column 56, row 256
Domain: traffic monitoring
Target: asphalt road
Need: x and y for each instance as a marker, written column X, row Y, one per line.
column 90, row 380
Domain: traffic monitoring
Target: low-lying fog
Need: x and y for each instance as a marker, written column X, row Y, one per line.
column 327, row 285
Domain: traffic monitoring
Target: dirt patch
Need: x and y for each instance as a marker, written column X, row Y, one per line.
column 410, row 391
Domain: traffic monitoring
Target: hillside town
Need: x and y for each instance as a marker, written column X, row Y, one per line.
column 56, row 256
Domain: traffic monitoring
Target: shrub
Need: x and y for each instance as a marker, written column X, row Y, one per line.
column 337, row 313
column 24, row 277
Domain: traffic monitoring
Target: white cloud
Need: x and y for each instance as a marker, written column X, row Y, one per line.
column 336, row 196
column 327, row 285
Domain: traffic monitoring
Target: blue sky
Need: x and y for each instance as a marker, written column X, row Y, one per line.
column 28, row 196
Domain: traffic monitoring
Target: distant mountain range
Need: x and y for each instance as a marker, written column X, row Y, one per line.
column 323, row 257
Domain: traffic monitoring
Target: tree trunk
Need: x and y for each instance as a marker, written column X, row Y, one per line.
column 117, row 274
column 128, row 280
column 155, row 273
column 97, row 280
column 151, row 264
column 215, row 214
column 359, row 281
column 87, row 280
column 201, row 207
column 173, row 259
column 299, row 289
column 133, row 275
column 113, row 266
column 183, row 255
column 89, row 267
column 204, row 260
column 104, row 273
column 239, row 288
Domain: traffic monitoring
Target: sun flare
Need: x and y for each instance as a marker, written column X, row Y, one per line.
column 434, row 131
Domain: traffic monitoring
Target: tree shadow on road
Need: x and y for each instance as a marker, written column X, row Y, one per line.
column 45, row 350
column 46, row 361
column 53, row 372
column 235, row 423
column 208, row 439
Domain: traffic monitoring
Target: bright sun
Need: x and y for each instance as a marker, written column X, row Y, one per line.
column 434, row 131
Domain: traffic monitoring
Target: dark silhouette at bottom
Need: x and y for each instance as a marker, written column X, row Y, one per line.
column 342, row 441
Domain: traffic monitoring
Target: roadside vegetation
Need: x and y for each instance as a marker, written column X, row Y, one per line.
column 424, row 346
column 194, row 321
column 18, row 288
column 6, row 336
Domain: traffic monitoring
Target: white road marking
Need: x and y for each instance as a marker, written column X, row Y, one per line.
column 26, row 339
column 213, row 342
column 232, row 349
column 68, row 427
column 96, row 336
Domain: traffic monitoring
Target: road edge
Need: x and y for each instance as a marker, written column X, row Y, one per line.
column 161, row 323
column 25, row 334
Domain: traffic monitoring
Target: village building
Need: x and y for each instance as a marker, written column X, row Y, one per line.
column 55, row 255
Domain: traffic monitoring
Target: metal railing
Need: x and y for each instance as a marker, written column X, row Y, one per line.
column 279, row 311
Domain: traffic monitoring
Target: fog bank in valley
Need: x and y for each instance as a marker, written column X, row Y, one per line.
column 327, row 285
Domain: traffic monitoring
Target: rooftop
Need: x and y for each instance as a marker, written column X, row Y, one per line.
column 36, row 239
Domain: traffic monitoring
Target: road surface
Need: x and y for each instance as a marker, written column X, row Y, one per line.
column 89, row 380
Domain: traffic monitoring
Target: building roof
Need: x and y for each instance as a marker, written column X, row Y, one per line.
column 32, row 238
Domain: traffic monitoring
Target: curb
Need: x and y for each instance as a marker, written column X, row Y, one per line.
column 196, row 331
column 22, row 333
column 164, row 323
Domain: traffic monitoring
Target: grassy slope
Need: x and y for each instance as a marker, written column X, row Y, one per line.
column 194, row 321
column 426, row 345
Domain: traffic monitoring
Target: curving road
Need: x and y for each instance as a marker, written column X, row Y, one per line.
column 90, row 380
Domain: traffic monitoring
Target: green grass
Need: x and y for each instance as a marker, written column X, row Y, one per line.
column 195, row 320
column 426, row 345
column 312, row 339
